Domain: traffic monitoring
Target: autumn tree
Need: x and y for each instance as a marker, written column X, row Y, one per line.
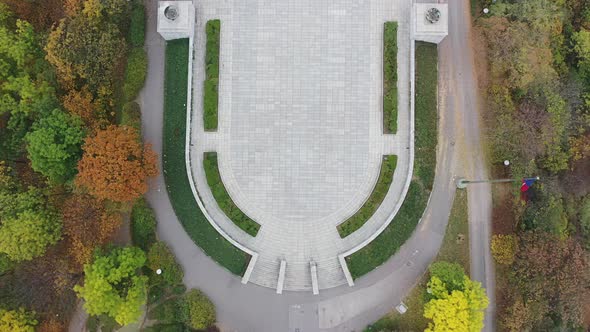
column 552, row 272
column 44, row 284
column 87, row 225
column 54, row 145
column 82, row 103
column 100, row 40
column 112, row 285
column 17, row 320
column 115, row 165
column 456, row 302
column 504, row 248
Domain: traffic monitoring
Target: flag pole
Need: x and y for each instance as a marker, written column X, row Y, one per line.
column 462, row 183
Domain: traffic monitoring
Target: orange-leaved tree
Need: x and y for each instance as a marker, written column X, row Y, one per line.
column 115, row 164
column 87, row 225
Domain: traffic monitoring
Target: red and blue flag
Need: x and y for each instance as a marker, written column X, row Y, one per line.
column 527, row 183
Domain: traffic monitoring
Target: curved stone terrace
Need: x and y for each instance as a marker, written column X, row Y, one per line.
column 300, row 135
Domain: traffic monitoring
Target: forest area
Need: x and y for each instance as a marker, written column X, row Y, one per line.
column 73, row 172
column 534, row 69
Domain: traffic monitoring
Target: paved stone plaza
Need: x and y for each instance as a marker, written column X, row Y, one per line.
column 300, row 137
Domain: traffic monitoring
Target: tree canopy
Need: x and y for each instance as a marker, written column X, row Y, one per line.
column 457, row 303
column 54, row 145
column 17, row 320
column 112, row 285
column 115, row 165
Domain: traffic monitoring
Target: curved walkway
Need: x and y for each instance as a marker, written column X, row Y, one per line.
column 301, row 159
column 250, row 308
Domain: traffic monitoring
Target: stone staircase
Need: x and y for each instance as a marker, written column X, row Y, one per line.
column 297, row 274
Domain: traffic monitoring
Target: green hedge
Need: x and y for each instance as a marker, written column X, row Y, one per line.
column 143, row 224
column 406, row 219
column 136, row 34
column 179, row 190
column 374, row 201
column 226, row 204
column 131, row 116
column 210, row 94
column 390, row 77
column 135, row 73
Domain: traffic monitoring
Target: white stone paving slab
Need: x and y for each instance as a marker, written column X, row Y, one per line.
column 300, row 138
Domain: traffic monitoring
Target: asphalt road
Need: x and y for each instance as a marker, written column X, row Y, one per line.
column 459, row 84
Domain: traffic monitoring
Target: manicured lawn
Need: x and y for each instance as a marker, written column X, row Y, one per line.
column 227, row 205
column 402, row 226
column 390, row 77
column 374, row 201
column 454, row 249
column 211, row 98
column 179, row 190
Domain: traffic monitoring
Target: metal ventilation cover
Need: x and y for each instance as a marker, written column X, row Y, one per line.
column 433, row 15
column 171, row 12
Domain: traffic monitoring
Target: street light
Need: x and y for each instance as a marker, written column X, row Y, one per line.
column 159, row 271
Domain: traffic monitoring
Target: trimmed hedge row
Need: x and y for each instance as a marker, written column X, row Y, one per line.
column 405, row 221
column 210, row 93
column 366, row 211
column 135, row 73
column 177, row 183
column 390, row 77
column 226, row 204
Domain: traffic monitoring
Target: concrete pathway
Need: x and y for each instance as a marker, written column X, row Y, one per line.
column 253, row 308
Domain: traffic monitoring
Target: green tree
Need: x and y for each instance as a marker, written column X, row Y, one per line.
column 451, row 274
column 54, row 145
column 27, row 235
column 113, row 286
column 581, row 47
column 135, row 73
column 201, row 311
column 17, row 320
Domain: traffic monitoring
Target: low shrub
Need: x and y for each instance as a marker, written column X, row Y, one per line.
column 226, row 204
column 131, row 115
column 136, row 35
column 135, row 73
column 161, row 257
column 200, row 310
column 143, row 225
column 377, row 196
column 169, row 311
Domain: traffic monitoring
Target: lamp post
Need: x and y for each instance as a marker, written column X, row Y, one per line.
column 462, row 183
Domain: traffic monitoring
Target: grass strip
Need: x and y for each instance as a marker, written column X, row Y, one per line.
column 177, row 183
column 210, row 95
column 226, row 204
column 454, row 249
column 357, row 220
column 406, row 219
column 390, row 78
